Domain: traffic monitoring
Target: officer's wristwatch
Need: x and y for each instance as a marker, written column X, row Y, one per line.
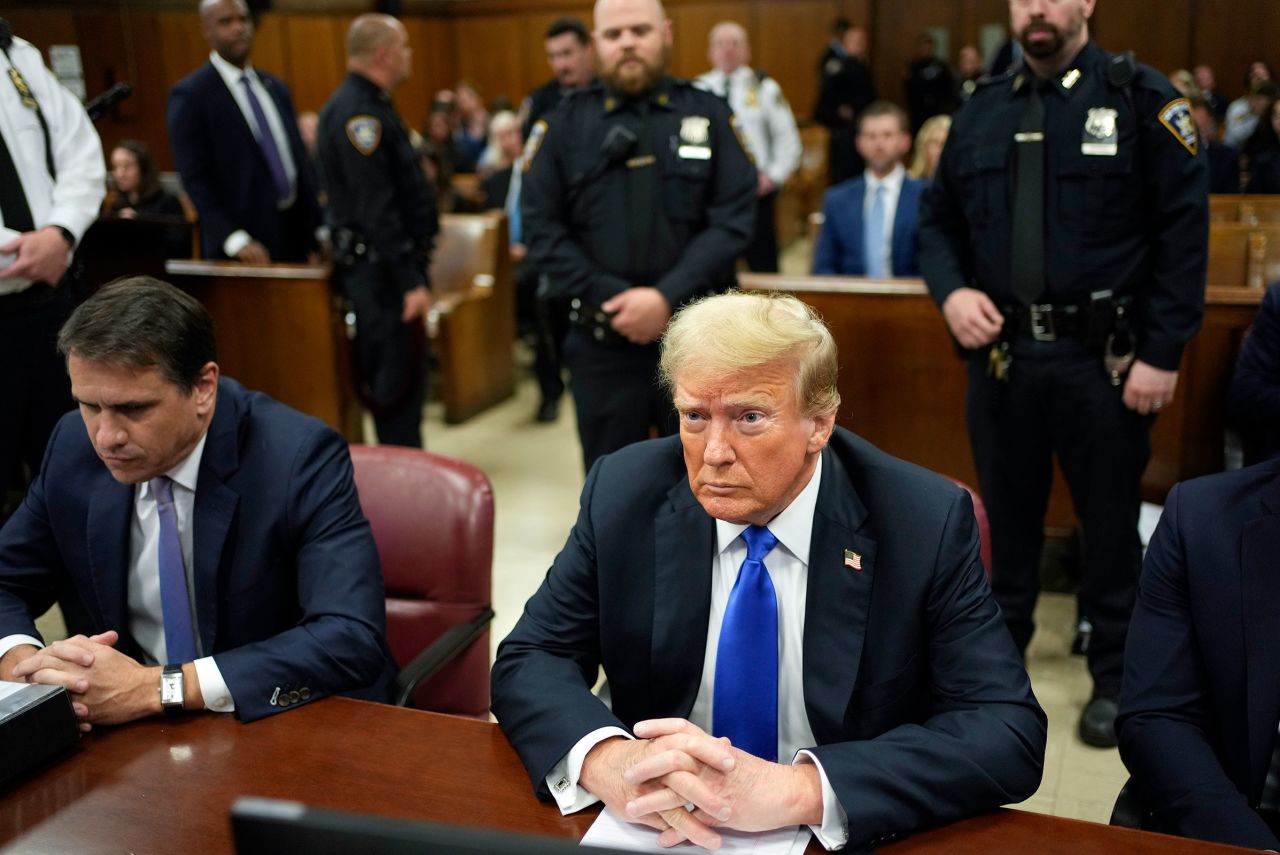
column 66, row 235
column 172, row 689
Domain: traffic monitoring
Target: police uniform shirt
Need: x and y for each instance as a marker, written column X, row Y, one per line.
column 375, row 182
column 581, row 221
column 73, row 200
column 766, row 118
column 1125, row 186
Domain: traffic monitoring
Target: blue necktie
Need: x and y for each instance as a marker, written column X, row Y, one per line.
column 179, row 634
column 745, row 703
column 873, row 236
column 267, row 142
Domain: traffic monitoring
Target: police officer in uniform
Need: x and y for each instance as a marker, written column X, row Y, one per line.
column 383, row 218
column 845, row 89
column 638, row 196
column 52, row 180
column 572, row 60
column 1065, row 239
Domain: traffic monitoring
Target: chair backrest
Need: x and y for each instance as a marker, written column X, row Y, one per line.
column 432, row 519
column 984, row 526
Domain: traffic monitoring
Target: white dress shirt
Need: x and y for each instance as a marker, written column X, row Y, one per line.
column 231, row 75
column 74, row 199
column 892, row 184
column 788, row 565
column 146, row 613
column 765, row 116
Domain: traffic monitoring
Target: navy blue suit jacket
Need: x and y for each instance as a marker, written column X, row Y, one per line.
column 224, row 171
column 918, row 701
column 840, row 252
column 1201, row 695
column 1253, row 400
column 288, row 587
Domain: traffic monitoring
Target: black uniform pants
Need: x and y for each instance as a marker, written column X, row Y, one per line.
column 615, row 393
column 1058, row 400
column 33, row 379
column 389, row 354
column 762, row 253
column 548, row 357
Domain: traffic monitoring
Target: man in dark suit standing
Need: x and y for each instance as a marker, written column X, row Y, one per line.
column 1201, row 696
column 869, row 222
column 205, row 543
column 236, row 144
column 769, row 578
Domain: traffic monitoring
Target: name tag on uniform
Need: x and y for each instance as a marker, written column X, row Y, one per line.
column 694, row 152
column 1101, row 132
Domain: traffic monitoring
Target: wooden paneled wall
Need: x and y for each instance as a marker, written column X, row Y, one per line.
column 498, row 43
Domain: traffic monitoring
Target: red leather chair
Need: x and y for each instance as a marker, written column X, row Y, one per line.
column 984, row 527
column 432, row 519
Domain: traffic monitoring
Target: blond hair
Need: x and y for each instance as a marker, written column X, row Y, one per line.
column 934, row 126
column 735, row 332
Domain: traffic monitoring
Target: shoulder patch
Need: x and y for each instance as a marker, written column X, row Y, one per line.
column 742, row 138
column 1176, row 116
column 536, row 135
column 365, row 133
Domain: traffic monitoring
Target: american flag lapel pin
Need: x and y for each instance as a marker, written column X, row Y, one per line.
column 853, row 559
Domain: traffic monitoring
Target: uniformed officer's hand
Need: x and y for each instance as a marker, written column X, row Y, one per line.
column 765, row 185
column 417, row 303
column 43, row 256
column 1149, row 389
column 639, row 314
column 518, row 251
column 254, row 253
column 974, row 320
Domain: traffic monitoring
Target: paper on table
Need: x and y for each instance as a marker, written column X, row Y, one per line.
column 609, row 831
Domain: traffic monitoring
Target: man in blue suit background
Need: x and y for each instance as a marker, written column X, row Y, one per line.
column 235, row 141
column 869, row 226
column 191, row 523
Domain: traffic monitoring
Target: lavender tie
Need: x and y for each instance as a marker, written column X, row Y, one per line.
column 179, row 635
column 267, row 141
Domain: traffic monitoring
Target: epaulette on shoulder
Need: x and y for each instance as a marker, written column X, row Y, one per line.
column 761, row 75
column 987, row 80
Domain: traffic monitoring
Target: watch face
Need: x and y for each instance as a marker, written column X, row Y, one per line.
column 171, row 690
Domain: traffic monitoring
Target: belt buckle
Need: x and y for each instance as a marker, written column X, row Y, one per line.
column 1042, row 328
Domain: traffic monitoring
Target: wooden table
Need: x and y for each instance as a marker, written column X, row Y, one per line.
column 166, row 785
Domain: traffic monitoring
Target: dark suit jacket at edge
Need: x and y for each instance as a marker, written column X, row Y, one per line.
column 1201, row 693
column 918, row 701
column 288, row 588
column 839, row 250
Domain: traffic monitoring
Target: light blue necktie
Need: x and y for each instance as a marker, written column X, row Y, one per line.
column 873, row 236
column 267, row 142
column 745, row 703
column 179, row 633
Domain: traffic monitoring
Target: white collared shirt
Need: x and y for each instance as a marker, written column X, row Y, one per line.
column 231, row 75
column 892, row 184
column 765, row 116
column 788, row 565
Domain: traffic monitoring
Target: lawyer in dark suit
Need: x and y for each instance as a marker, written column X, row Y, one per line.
column 896, row 681
column 841, row 248
column 255, row 193
column 277, row 576
column 1201, row 698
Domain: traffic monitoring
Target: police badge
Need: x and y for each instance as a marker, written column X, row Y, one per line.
column 695, row 130
column 1101, row 132
column 365, row 133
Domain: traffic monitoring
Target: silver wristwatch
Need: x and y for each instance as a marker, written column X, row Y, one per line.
column 172, row 689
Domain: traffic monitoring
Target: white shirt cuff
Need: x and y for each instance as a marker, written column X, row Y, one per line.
column 562, row 781
column 834, row 831
column 11, row 641
column 217, row 697
column 235, row 242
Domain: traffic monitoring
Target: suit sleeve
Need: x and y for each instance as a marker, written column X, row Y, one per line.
column 191, row 144
column 1165, row 712
column 826, row 254
column 338, row 642
column 982, row 743
column 544, row 670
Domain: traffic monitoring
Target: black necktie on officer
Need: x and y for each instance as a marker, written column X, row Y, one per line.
column 13, row 200
column 1027, row 263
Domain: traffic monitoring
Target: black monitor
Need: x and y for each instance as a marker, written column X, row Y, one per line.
column 273, row 826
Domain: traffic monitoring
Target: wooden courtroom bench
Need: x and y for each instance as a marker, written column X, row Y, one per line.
column 1247, row 209
column 1244, row 255
column 472, row 323
column 903, row 386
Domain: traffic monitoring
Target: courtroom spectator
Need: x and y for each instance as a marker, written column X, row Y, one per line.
column 869, row 222
column 437, row 145
column 1263, row 150
column 1224, row 161
column 137, row 191
column 471, row 127
column 1253, row 399
column 206, row 543
column 845, row 89
column 1197, row 722
column 1185, row 82
column 501, row 104
column 928, row 147
column 1242, row 113
column 236, row 144
column 1208, row 84
column 930, row 85
column 909, row 706
column 503, row 149
column 307, row 124
column 968, row 70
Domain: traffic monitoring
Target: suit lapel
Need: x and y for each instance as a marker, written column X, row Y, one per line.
column 837, row 600
column 229, row 106
column 215, row 510
column 903, row 226
column 1260, row 589
column 110, row 510
column 684, row 540
column 859, row 226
